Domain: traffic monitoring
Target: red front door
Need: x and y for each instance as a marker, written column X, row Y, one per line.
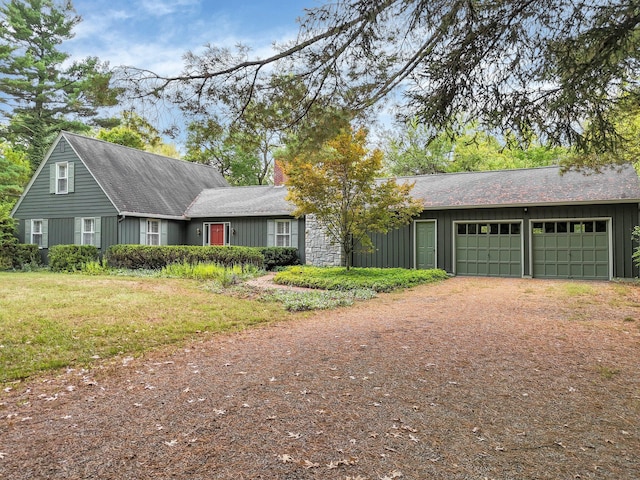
column 216, row 234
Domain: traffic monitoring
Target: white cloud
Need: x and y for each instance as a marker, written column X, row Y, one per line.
column 159, row 8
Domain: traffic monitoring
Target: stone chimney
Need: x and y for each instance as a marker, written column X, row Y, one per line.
column 279, row 177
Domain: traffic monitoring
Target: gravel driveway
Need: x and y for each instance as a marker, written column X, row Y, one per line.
column 472, row 378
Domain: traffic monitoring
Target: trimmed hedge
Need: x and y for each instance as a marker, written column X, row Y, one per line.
column 279, row 257
column 156, row 257
column 17, row 255
column 27, row 254
column 71, row 258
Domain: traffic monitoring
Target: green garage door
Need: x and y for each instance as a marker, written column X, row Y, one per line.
column 425, row 244
column 489, row 249
column 571, row 249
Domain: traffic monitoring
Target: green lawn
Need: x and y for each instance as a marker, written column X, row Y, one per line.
column 49, row 321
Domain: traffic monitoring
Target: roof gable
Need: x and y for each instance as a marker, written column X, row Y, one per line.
column 143, row 183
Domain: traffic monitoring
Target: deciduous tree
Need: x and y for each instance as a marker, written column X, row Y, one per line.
column 338, row 185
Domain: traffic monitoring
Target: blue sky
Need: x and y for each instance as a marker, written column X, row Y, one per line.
column 154, row 34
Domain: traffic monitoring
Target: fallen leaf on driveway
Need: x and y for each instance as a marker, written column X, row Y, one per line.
column 308, row 464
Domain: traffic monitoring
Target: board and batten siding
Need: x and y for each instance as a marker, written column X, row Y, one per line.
column 245, row 231
column 172, row 233
column 391, row 250
column 396, row 249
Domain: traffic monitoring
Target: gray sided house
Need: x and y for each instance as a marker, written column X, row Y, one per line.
column 88, row 191
column 518, row 223
column 512, row 223
column 246, row 216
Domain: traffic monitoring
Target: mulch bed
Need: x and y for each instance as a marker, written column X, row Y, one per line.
column 467, row 379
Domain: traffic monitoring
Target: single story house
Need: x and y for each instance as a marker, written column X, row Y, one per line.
column 514, row 223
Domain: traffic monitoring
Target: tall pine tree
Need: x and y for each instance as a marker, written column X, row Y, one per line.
column 42, row 94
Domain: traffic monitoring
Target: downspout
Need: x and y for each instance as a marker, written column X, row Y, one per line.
column 121, row 219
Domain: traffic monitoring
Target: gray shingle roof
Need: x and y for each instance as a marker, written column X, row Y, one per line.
column 143, row 183
column 259, row 200
column 526, row 187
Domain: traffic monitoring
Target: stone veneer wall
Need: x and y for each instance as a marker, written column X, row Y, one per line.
column 319, row 251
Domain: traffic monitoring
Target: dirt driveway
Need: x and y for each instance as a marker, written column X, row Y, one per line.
column 467, row 379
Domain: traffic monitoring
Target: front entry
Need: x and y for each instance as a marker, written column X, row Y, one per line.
column 216, row 233
column 425, row 244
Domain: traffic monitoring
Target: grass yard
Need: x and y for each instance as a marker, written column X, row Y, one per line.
column 49, row 321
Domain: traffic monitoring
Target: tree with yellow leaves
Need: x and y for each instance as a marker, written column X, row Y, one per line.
column 338, row 184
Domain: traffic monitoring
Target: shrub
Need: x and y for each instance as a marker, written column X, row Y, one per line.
column 95, row 267
column 26, row 254
column 636, row 252
column 71, row 258
column 156, row 257
column 275, row 257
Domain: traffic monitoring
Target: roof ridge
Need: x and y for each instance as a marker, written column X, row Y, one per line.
column 117, row 145
column 475, row 172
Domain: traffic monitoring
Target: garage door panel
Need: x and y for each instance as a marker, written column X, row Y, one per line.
column 561, row 241
column 602, row 271
column 574, row 249
column 492, row 249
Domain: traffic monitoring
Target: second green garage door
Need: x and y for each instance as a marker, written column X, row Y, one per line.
column 571, row 249
column 489, row 249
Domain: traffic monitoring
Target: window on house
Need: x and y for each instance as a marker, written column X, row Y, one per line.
column 37, row 233
column 283, row 233
column 62, row 178
column 88, row 231
column 153, row 232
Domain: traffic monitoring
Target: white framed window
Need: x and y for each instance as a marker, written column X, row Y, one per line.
column 37, row 233
column 88, row 231
column 62, row 178
column 153, row 232
column 283, row 233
